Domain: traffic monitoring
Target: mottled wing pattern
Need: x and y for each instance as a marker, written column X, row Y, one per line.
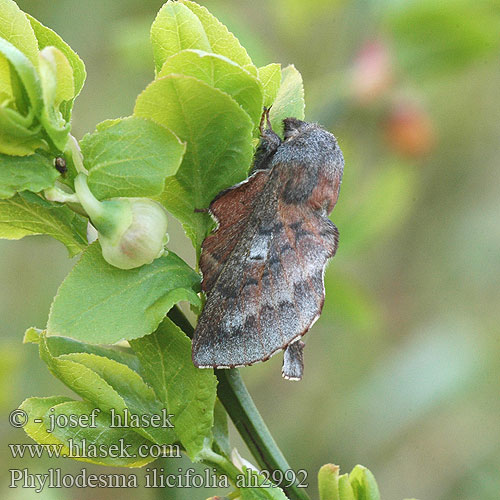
column 232, row 209
column 265, row 284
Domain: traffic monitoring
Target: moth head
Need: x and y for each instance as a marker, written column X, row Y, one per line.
column 293, row 127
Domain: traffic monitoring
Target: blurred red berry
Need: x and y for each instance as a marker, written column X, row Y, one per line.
column 409, row 129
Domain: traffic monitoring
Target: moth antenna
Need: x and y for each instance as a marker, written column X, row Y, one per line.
column 265, row 117
column 268, row 121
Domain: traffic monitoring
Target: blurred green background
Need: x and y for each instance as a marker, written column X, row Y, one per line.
column 403, row 368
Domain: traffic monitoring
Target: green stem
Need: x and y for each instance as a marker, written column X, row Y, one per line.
column 93, row 207
column 239, row 405
column 57, row 194
column 209, row 457
column 73, row 150
column 241, row 409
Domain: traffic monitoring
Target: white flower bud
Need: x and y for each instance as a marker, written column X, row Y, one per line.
column 132, row 231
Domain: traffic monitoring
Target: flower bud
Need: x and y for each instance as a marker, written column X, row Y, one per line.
column 328, row 482
column 363, row 483
column 132, row 231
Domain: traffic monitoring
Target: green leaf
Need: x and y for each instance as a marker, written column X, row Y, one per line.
column 221, row 40
column 16, row 29
column 176, row 28
column 46, row 37
column 57, row 85
column 6, row 92
column 219, row 150
column 63, row 72
column 290, row 99
column 26, row 213
column 265, row 491
column 328, row 482
column 101, row 435
column 108, row 385
column 220, row 430
column 363, row 484
column 89, row 304
column 221, row 73
column 130, row 157
column 188, row 392
column 19, row 173
column 15, row 137
column 65, row 345
column 37, row 408
column 345, row 489
column 270, row 77
column 32, row 335
column 28, row 76
column 18, row 136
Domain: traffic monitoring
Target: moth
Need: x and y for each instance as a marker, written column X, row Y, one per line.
column 263, row 266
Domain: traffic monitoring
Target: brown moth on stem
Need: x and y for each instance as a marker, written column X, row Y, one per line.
column 263, row 267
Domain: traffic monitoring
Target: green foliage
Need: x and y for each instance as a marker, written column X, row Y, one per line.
column 65, row 345
column 27, row 213
column 89, row 303
column 19, row 133
column 289, row 99
column 358, row 485
column 130, row 157
column 160, row 379
column 108, row 385
column 16, row 29
column 48, row 38
column 363, row 484
column 176, row 28
column 270, row 76
column 66, row 436
column 220, row 73
column 37, row 86
column 219, row 150
column 265, row 491
column 32, row 173
column 188, row 392
column 221, row 40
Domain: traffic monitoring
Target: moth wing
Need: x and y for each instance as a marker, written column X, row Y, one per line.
column 231, row 208
column 270, row 289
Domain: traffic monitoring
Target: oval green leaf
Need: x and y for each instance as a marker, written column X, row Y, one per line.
column 289, row 100
column 188, row 392
column 25, row 173
column 130, row 157
column 221, row 40
column 176, row 28
column 220, row 73
column 100, row 303
column 218, row 134
column 26, row 213
column 16, row 29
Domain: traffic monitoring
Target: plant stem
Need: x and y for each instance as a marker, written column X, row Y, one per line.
column 73, row 150
column 241, row 409
column 239, row 405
